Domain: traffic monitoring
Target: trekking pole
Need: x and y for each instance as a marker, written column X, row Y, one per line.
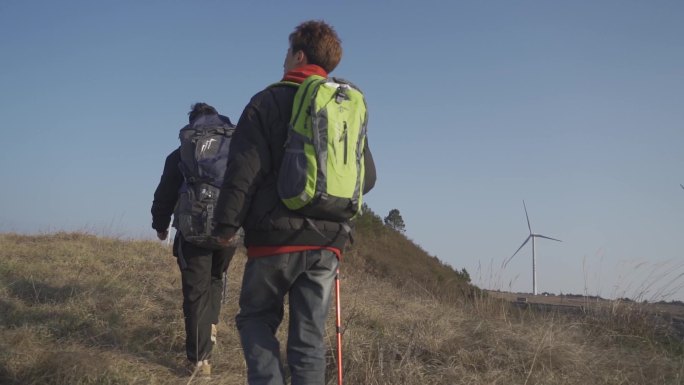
column 225, row 283
column 338, row 326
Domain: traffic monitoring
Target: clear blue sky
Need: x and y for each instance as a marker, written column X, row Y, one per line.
column 577, row 107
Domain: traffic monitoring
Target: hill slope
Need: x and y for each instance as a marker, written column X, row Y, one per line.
column 81, row 309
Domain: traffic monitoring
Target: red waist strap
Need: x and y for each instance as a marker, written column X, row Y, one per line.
column 264, row 251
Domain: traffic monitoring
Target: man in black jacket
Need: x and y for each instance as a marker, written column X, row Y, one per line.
column 287, row 253
column 201, row 269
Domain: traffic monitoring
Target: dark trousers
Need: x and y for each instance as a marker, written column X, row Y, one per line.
column 201, row 276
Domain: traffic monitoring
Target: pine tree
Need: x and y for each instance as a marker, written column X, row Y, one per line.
column 395, row 221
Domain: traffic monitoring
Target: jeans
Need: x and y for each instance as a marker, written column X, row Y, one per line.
column 308, row 277
column 202, row 281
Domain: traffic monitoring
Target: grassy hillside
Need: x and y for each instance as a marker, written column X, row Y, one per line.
column 387, row 254
column 82, row 309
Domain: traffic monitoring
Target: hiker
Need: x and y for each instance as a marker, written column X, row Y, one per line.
column 288, row 253
column 202, row 265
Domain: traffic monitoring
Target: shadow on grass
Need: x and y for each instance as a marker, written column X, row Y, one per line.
column 67, row 368
column 32, row 292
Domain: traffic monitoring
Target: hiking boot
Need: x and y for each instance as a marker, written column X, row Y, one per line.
column 214, row 332
column 199, row 369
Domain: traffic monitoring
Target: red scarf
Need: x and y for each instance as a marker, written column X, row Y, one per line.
column 300, row 73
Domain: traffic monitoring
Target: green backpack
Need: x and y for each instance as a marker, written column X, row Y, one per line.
column 322, row 172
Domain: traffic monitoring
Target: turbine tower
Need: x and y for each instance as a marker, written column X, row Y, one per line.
column 534, row 257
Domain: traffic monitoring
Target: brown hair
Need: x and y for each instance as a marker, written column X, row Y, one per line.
column 319, row 42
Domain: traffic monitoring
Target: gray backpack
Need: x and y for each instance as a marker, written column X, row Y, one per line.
column 204, row 157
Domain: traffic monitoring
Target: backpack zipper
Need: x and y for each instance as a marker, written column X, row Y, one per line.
column 345, row 136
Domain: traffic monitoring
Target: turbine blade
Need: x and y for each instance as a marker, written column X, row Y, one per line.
column 681, row 185
column 528, row 218
column 544, row 236
column 516, row 252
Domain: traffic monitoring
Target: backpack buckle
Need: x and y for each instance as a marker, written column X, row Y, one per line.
column 341, row 94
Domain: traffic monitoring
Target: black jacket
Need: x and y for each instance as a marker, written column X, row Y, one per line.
column 166, row 195
column 249, row 197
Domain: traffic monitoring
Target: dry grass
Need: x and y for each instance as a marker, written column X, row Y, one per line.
column 80, row 309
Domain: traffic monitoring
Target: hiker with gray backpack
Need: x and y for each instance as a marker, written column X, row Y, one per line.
column 188, row 190
column 298, row 167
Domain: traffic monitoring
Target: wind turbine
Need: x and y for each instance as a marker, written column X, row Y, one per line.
column 534, row 258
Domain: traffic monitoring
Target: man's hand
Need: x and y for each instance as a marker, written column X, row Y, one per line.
column 162, row 235
column 226, row 241
column 224, row 236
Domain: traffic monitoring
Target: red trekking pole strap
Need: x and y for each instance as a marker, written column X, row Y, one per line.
column 338, row 326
